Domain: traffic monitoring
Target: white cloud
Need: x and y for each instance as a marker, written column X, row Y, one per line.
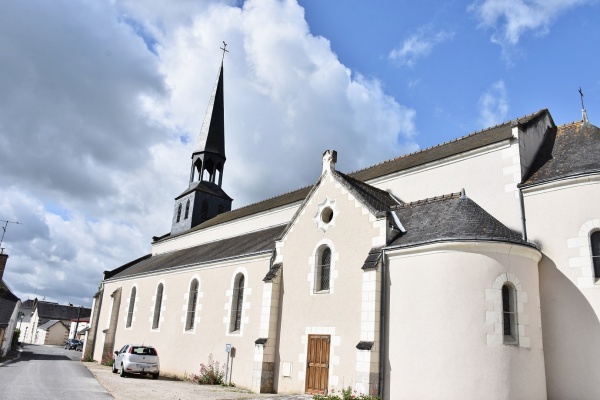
column 511, row 19
column 418, row 45
column 493, row 105
column 102, row 103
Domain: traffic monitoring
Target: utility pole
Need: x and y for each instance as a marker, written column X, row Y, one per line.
column 77, row 324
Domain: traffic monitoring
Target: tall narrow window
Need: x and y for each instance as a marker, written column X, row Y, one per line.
column 187, row 210
column 157, row 306
column 238, row 301
column 179, row 212
column 595, row 244
column 323, row 269
column 131, row 308
column 191, row 311
column 509, row 315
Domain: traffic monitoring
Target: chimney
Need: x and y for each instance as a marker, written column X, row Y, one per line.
column 3, row 258
column 329, row 160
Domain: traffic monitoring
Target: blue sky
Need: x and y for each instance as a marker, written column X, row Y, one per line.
column 101, row 103
column 544, row 68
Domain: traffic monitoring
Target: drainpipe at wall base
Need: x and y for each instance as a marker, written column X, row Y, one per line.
column 523, row 220
column 382, row 326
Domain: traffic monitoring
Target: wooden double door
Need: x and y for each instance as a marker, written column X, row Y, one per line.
column 317, row 364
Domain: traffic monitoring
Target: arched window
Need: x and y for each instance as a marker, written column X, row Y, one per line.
column 237, row 303
column 509, row 315
column 204, row 210
column 595, row 244
column 323, row 269
column 179, row 212
column 157, row 306
column 191, row 311
column 131, row 307
column 187, row 210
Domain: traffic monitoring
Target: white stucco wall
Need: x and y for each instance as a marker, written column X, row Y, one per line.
column 492, row 169
column 442, row 325
column 181, row 351
column 342, row 312
column 267, row 219
column 560, row 217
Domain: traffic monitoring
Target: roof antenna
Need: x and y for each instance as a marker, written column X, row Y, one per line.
column 584, row 116
column 4, row 232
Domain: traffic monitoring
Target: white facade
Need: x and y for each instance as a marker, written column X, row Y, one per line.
column 462, row 271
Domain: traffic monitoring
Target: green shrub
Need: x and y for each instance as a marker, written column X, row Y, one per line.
column 344, row 394
column 210, row 374
column 108, row 361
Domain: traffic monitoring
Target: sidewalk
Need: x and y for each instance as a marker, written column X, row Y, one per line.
column 135, row 387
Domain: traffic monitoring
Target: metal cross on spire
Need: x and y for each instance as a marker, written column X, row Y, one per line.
column 581, row 95
column 224, row 48
column 4, row 231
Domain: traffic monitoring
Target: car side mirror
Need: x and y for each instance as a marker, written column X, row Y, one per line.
column 116, row 353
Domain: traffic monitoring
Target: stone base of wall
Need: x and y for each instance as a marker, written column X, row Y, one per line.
column 264, row 375
column 367, row 383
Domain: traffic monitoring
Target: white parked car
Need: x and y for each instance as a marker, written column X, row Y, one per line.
column 136, row 359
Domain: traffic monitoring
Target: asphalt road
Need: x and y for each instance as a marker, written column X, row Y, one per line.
column 49, row 372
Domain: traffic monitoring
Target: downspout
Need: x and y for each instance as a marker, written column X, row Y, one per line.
column 382, row 326
column 523, row 220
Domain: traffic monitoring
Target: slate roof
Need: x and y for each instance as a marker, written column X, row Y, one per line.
column 463, row 144
column 567, row 151
column 212, row 136
column 238, row 246
column 48, row 310
column 8, row 301
column 450, row 218
column 49, row 324
column 206, row 187
column 375, row 199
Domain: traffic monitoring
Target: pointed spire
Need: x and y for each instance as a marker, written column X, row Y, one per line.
column 212, row 134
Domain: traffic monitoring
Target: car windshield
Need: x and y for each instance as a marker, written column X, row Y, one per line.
column 147, row 351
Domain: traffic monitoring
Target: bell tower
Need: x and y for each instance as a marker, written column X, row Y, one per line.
column 204, row 198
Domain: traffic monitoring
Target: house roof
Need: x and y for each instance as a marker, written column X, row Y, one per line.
column 238, row 246
column 452, row 217
column 463, row 144
column 567, row 151
column 48, row 310
column 49, row 324
column 8, row 302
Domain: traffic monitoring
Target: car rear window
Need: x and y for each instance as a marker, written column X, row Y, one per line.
column 147, row 351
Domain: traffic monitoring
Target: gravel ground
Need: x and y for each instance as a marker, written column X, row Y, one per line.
column 136, row 387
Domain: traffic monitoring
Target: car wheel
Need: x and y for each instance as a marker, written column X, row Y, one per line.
column 155, row 376
column 122, row 372
column 114, row 370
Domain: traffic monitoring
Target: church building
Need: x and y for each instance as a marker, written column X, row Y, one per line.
column 466, row 270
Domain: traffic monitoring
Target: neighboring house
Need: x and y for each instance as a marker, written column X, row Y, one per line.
column 467, row 270
column 44, row 311
column 77, row 329
column 9, row 310
column 25, row 314
column 53, row 332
